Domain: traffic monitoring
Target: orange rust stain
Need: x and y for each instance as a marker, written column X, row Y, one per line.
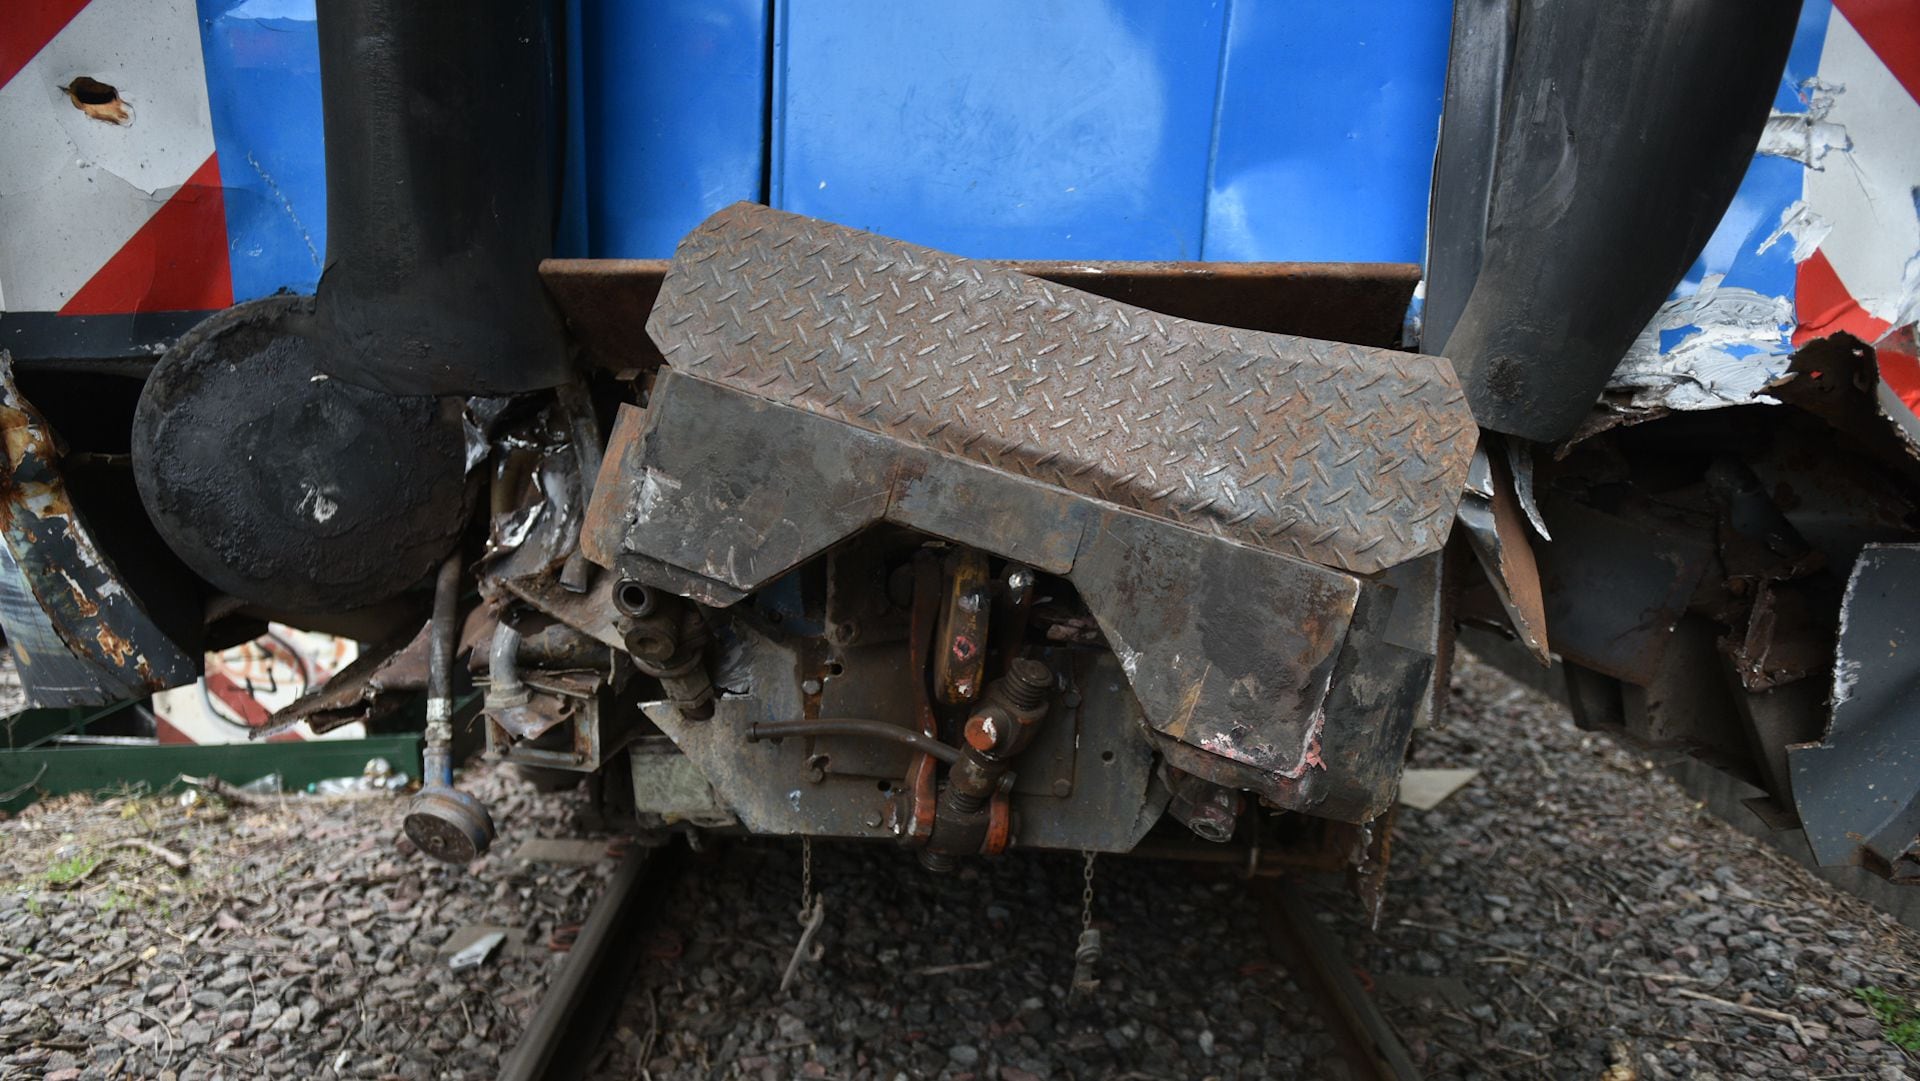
column 1189, row 702
column 118, row 649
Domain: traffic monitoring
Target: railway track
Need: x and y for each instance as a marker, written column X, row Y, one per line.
column 561, row 1039
column 565, row 1037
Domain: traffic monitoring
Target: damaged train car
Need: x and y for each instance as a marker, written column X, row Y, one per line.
column 1087, row 429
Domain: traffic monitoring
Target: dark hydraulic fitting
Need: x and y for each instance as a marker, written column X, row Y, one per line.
column 668, row 640
column 1211, row 811
column 972, row 817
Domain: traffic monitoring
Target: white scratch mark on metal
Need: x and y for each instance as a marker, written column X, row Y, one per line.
column 654, row 487
column 316, row 502
column 286, row 207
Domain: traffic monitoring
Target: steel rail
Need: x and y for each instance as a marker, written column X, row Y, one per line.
column 566, row 1028
column 1366, row 1039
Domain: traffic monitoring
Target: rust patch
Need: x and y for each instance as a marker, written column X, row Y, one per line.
column 116, row 648
column 960, row 665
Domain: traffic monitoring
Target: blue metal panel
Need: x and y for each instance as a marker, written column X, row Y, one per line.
column 263, row 82
column 1327, row 121
column 675, row 117
column 1072, row 129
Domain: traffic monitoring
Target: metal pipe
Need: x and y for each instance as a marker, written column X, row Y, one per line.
column 442, row 640
column 583, row 428
column 859, row 729
column 504, row 687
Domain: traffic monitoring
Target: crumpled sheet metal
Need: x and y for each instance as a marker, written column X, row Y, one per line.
column 1858, row 789
column 79, row 636
column 1342, row 455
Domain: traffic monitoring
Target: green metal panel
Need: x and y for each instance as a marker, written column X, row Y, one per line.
column 32, row 727
column 57, row 770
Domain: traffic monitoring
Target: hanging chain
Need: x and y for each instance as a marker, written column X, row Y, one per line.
column 813, row 912
column 1087, row 953
column 1086, row 894
column 806, row 874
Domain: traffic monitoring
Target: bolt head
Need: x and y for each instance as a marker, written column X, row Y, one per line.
column 1063, row 788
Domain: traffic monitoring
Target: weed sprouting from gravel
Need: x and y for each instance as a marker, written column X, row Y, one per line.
column 1899, row 1017
column 72, row 869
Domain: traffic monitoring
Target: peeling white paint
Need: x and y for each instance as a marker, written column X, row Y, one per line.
column 1869, row 194
column 1804, row 224
column 1737, row 348
column 1807, row 137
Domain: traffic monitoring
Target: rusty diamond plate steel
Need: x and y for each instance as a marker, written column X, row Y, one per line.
column 1347, row 456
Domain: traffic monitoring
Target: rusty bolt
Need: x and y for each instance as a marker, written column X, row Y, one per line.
column 810, row 686
column 872, row 820
column 980, row 732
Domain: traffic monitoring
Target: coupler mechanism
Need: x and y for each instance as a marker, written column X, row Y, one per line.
column 974, row 815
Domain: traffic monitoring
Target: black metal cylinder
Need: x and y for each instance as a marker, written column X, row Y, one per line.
column 443, row 124
column 1577, row 179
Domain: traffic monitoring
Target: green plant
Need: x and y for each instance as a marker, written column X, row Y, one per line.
column 72, row 869
column 1899, row 1018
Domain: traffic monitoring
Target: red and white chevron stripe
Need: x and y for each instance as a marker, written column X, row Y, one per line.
column 99, row 216
column 1865, row 276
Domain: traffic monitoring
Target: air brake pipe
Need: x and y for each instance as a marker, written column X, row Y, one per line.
column 859, row 729
column 438, row 754
column 443, row 821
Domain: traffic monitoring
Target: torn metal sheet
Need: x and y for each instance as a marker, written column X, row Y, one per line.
column 1616, row 584
column 1343, row 455
column 1495, row 528
column 1858, row 789
column 1823, row 238
column 79, row 636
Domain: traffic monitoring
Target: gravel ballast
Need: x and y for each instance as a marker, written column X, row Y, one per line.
column 300, row 940
column 1569, row 913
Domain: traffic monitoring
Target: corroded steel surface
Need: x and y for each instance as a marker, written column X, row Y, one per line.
column 1343, row 455
column 79, row 634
